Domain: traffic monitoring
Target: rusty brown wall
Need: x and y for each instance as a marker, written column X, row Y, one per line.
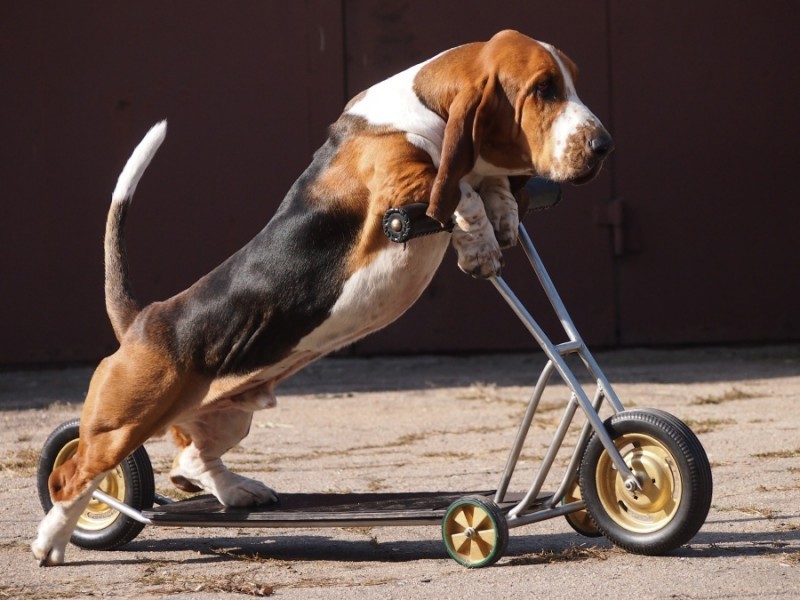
column 701, row 99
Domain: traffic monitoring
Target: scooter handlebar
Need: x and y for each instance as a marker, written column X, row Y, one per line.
column 410, row 221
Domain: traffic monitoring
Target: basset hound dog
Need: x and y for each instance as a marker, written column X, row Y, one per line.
column 453, row 131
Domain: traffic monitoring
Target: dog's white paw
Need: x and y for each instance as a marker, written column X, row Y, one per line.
column 473, row 237
column 192, row 472
column 478, row 255
column 49, row 553
column 501, row 210
column 54, row 533
column 243, row 491
column 506, row 227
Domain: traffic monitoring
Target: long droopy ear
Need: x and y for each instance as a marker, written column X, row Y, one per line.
column 460, row 148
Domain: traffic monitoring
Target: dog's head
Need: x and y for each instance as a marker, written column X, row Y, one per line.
column 511, row 109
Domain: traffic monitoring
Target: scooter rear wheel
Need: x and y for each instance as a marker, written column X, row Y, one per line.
column 100, row 527
column 672, row 469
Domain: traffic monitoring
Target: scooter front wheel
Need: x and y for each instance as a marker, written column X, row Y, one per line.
column 100, row 527
column 673, row 473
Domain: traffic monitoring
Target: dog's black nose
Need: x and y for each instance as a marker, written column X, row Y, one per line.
column 601, row 144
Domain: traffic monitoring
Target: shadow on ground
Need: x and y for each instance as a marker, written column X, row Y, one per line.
column 522, row 549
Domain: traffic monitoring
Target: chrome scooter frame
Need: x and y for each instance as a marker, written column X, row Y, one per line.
column 531, row 508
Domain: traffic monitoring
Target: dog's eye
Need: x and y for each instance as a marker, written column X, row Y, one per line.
column 545, row 89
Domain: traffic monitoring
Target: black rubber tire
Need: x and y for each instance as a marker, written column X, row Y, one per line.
column 580, row 521
column 137, row 473
column 576, row 522
column 691, row 463
column 497, row 524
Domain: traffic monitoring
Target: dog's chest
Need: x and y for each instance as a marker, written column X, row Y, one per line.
column 378, row 293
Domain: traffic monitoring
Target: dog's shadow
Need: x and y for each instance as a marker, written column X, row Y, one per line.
column 522, row 549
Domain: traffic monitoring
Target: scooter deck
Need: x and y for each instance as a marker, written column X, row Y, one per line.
column 315, row 510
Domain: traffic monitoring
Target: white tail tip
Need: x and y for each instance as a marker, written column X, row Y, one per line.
column 137, row 163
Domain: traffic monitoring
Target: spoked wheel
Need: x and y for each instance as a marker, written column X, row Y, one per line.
column 475, row 531
column 579, row 520
column 672, row 469
column 100, row 527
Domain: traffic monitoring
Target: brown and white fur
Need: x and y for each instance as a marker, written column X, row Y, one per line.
column 320, row 275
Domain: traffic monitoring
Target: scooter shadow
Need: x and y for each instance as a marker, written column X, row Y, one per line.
column 315, row 547
column 522, row 549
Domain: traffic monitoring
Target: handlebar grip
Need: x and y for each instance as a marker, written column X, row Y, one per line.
column 542, row 193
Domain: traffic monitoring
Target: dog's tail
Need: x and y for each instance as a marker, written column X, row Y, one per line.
column 121, row 305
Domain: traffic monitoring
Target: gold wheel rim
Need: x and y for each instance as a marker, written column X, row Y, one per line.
column 655, row 505
column 470, row 533
column 580, row 519
column 98, row 515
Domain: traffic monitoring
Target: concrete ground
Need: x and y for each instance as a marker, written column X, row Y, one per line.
column 437, row 423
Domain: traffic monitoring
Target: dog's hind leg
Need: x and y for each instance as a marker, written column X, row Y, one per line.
column 133, row 394
column 203, row 438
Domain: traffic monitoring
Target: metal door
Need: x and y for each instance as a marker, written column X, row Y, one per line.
column 705, row 99
column 248, row 88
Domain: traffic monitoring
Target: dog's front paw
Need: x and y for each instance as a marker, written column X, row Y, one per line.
column 482, row 262
column 473, row 237
column 506, row 229
column 478, row 254
column 243, row 491
column 501, row 210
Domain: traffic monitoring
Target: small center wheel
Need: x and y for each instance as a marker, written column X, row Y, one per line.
column 475, row 531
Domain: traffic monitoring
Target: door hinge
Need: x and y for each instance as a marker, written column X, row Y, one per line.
column 612, row 214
